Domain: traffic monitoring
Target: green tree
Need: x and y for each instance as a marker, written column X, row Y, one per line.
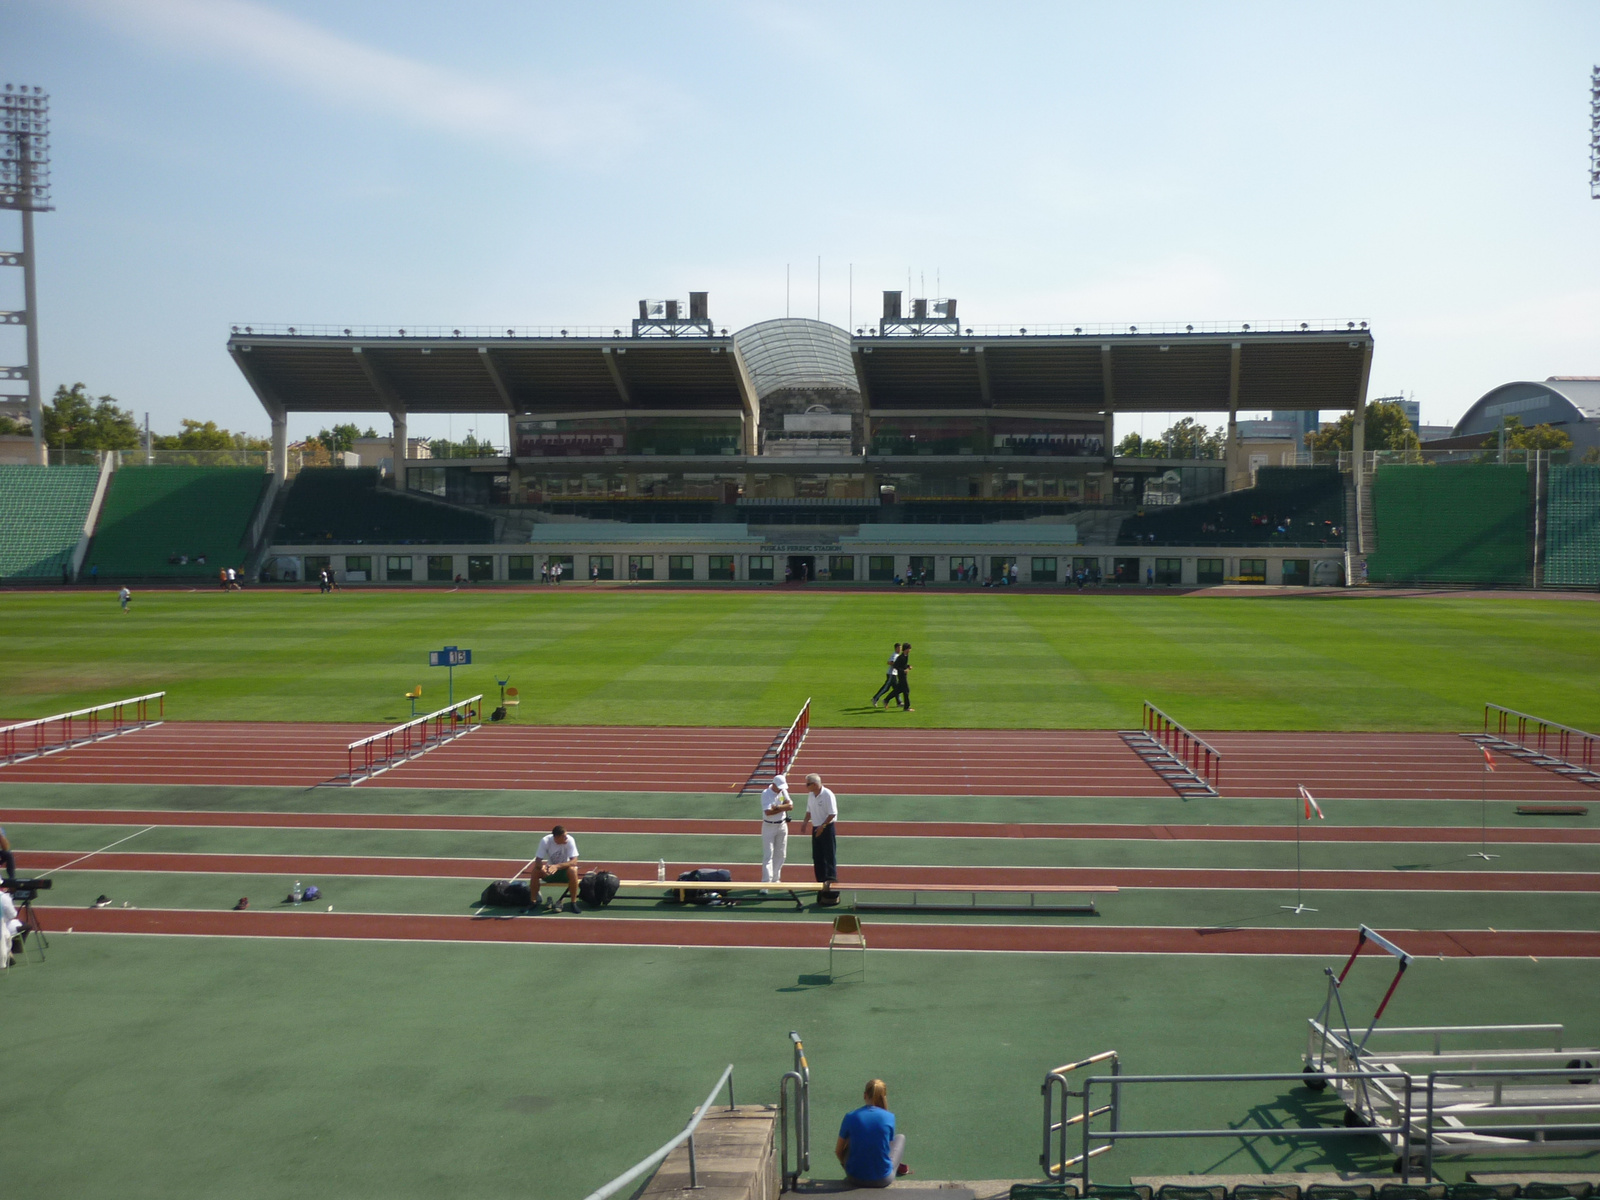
column 75, row 421
column 468, row 447
column 11, row 425
column 1190, row 439
column 343, row 437
column 1520, row 437
column 205, row 435
column 1387, row 429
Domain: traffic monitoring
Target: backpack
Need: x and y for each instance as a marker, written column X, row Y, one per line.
column 701, row 895
column 507, row 893
column 312, row 892
column 598, row 888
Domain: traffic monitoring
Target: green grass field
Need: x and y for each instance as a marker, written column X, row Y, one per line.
column 1010, row 660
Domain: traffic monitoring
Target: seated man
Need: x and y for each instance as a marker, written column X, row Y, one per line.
column 868, row 1148
column 556, row 862
column 10, row 928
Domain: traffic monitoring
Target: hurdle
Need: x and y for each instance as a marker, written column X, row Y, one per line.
column 1190, row 765
column 781, row 753
column 51, row 735
column 1559, row 748
column 372, row 756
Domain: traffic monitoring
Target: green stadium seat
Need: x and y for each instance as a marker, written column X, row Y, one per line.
column 1451, row 523
column 1112, row 1191
column 1412, row 1191
column 1044, row 1191
column 1480, row 1191
column 1305, row 503
column 42, row 511
column 153, row 515
column 1572, row 531
column 1267, row 1191
column 1557, row 1191
column 1340, row 1191
column 350, row 506
column 1187, row 1191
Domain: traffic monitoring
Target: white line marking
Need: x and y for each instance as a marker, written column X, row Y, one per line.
column 92, row 853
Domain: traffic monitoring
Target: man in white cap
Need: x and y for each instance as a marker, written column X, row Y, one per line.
column 775, row 809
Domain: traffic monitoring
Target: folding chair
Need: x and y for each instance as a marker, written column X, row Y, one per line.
column 847, row 935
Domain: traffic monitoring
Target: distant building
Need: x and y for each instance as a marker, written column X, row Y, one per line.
column 1300, row 423
column 1570, row 403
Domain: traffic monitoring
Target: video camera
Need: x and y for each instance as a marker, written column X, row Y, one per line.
column 23, row 891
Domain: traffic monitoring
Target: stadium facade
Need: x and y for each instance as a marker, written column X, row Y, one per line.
column 793, row 448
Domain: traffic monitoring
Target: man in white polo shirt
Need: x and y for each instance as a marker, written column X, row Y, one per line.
column 775, row 809
column 822, row 815
column 556, row 862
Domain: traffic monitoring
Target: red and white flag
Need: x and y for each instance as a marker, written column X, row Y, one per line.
column 1488, row 759
column 1311, row 804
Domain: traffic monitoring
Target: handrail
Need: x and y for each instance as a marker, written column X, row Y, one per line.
column 800, row 1115
column 10, row 735
column 643, row 1165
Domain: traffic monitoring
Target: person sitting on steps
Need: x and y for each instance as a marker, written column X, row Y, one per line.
column 868, row 1148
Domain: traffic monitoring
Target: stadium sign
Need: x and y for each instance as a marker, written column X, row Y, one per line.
column 449, row 657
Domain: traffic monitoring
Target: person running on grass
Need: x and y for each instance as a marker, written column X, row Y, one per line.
column 902, row 679
column 124, row 597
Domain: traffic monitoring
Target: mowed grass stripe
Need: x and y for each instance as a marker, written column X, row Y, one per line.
column 982, row 659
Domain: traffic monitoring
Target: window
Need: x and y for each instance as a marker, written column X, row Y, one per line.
column 316, row 564
column 441, row 568
column 1044, row 570
column 842, row 566
column 963, row 568
column 880, row 567
column 1252, row 570
column 919, row 564
column 1125, row 570
column 720, row 567
column 600, row 567
column 760, row 566
column 519, row 566
column 397, row 568
column 357, row 568
column 680, row 566
column 641, row 566
column 1208, row 570
column 1296, row 572
column 1169, row 570
column 480, row 568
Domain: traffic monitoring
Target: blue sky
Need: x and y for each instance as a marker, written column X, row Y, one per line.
column 1420, row 166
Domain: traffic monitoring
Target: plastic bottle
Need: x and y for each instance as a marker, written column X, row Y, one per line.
column 661, row 871
column 299, row 893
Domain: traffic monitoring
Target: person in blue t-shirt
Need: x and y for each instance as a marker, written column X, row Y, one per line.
column 869, row 1148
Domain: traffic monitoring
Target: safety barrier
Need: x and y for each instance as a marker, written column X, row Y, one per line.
column 372, row 756
column 794, row 1112
column 1057, row 1085
column 645, row 1164
column 781, row 753
column 51, row 735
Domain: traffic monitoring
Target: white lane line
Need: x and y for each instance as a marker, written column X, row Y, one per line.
column 92, row 853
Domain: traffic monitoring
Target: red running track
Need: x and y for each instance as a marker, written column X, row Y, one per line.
column 977, row 762
column 813, row 934
column 1421, row 834
column 292, row 865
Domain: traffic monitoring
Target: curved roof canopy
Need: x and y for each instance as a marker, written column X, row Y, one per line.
column 1557, row 401
column 794, row 352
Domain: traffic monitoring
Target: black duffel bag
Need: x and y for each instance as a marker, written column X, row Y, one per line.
column 701, row 895
column 507, row 893
column 598, row 888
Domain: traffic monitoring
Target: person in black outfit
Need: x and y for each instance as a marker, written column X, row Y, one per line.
column 888, row 680
column 902, row 677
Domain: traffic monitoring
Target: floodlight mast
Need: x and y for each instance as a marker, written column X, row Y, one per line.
column 25, row 187
column 1594, row 135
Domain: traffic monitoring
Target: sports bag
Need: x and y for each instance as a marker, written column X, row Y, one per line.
column 701, row 895
column 598, row 888
column 507, row 893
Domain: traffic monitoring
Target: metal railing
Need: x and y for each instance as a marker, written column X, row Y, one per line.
column 1113, row 329
column 645, row 1164
column 1201, row 757
column 1549, row 737
column 794, row 1113
column 465, row 332
column 1057, row 1085
column 50, row 735
column 1448, row 1130
column 380, row 752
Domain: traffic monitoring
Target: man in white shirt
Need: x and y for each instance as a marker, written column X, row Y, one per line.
column 822, row 816
column 775, row 809
column 556, row 862
column 10, row 926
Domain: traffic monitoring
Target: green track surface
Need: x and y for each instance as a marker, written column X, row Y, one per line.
column 748, row 657
column 194, row 1067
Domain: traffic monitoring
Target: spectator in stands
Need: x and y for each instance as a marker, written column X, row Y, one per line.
column 556, row 862
column 869, row 1149
column 822, row 815
column 123, row 597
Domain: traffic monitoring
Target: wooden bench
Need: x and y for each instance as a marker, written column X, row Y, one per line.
column 752, row 893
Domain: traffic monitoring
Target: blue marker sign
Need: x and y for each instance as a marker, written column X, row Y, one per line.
column 450, row 657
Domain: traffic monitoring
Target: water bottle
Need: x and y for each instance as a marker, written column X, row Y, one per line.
column 661, row 871
column 299, row 893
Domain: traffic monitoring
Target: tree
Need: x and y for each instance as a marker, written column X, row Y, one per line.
column 468, row 447
column 1387, row 429
column 1190, row 439
column 1519, row 437
column 198, row 435
column 10, row 425
column 343, row 437
column 72, row 421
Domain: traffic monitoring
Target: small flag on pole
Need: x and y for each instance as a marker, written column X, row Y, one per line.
column 1311, row 804
column 1488, row 759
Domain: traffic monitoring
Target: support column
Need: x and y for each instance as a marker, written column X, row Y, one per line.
column 1358, row 445
column 280, row 445
column 401, row 447
column 30, row 304
column 1108, row 389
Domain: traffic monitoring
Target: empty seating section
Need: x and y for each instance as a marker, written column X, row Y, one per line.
column 1289, row 506
column 1450, row 523
column 333, row 504
column 42, row 510
column 1572, row 538
column 159, row 522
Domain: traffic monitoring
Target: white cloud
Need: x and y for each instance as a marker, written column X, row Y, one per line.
column 344, row 72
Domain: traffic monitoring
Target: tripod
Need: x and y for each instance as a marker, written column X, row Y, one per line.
column 31, row 925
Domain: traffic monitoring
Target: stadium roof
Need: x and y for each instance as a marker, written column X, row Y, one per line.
column 1092, row 370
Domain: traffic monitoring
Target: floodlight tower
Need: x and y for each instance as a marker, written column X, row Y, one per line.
column 1594, row 135
column 25, row 187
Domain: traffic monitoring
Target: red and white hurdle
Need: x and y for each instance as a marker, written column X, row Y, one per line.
column 372, row 756
column 781, row 753
column 51, row 735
